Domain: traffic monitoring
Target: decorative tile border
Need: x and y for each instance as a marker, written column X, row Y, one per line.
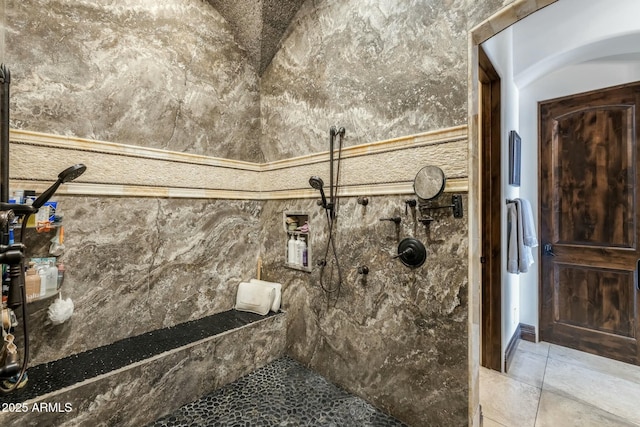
column 131, row 171
column 506, row 17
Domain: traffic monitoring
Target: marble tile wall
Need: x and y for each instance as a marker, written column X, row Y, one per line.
column 154, row 75
column 143, row 265
column 397, row 336
column 380, row 69
column 142, row 72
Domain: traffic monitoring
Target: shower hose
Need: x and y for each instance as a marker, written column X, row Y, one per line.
column 332, row 213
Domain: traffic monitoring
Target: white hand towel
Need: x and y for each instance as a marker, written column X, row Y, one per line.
column 512, row 239
column 528, row 224
column 525, row 257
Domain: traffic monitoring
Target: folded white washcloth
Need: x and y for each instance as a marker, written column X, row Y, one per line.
column 255, row 298
column 277, row 287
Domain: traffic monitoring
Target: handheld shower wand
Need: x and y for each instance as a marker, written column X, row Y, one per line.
column 317, row 183
column 69, row 174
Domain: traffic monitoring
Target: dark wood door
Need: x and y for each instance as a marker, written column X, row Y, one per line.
column 589, row 220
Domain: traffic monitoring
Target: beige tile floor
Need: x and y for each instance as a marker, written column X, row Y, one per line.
column 552, row 386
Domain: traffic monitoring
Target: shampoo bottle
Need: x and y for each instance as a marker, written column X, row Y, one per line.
column 42, row 272
column 301, row 245
column 32, row 283
column 291, row 250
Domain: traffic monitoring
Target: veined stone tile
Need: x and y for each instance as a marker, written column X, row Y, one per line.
column 488, row 422
column 595, row 363
column 142, row 73
column 558, row 410
column 506, row 400
column 539, row 348
column 528, row 367
column 604, row 391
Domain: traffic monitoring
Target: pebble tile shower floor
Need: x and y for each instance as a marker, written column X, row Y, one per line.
column 283, row 393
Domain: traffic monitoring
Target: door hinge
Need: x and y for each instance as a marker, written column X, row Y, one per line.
column 483, row 260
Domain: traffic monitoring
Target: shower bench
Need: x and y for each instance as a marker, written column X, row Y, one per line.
column 139, row 379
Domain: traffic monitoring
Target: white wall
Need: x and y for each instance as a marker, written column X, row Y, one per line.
column 569, row 47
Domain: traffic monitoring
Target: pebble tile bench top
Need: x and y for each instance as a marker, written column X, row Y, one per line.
column 56, row 375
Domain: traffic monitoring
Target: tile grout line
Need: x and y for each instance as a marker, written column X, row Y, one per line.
column 544, row 375
column 573, row 398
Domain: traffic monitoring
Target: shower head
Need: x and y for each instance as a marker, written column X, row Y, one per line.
column 317, row 183
column 72, row 172
column 69, row 174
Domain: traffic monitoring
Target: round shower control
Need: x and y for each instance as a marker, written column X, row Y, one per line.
column 411, row 252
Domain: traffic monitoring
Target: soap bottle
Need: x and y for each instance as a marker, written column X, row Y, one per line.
column 291, row 250
column 32, row 283
column 60, row 275
column 52, row 278
column 305, row 261
column 301, row 246
column 41, row 269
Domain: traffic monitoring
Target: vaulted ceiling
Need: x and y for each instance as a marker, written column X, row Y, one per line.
column 258, row 25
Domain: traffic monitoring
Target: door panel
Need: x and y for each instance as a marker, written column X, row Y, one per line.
column 595, row 176
column 588, row 188
column 594, row 298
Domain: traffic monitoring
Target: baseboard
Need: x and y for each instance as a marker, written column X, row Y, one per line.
column 525, row 332
column 510, row 351
column 528, row 332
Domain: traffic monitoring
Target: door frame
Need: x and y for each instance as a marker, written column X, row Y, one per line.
column 504, row 18
column 490, row 210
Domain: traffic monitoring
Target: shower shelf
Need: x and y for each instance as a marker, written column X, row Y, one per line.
column 299, row 219
column 47, row 295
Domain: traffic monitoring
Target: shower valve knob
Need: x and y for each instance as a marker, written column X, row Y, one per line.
column 407, row 252
column 411, row 252
column 363, row 201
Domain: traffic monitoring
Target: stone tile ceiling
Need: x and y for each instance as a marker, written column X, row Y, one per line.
column 258, row 25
